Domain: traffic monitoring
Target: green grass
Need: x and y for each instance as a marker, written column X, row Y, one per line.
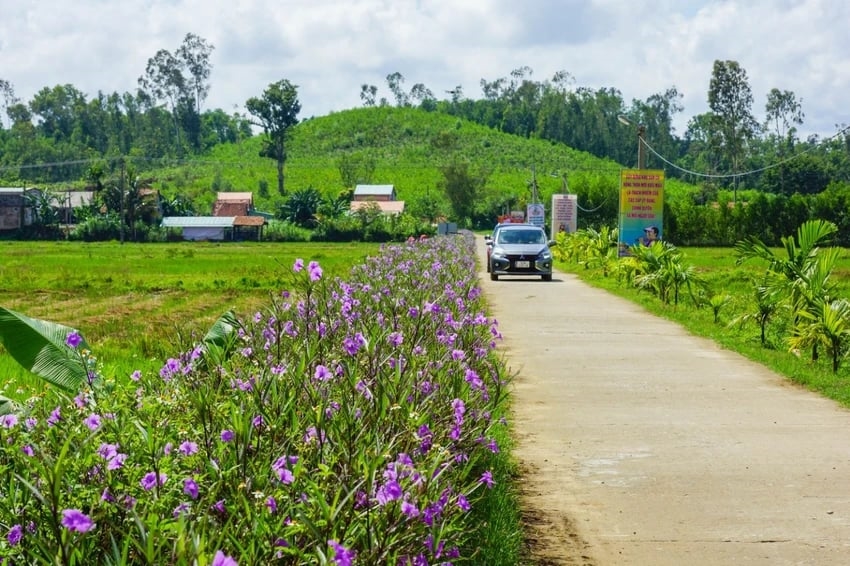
column 135, row 303
column 717, row 267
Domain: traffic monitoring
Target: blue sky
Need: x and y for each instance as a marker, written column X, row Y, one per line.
column 330, row 48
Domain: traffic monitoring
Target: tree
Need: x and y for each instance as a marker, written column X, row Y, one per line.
column 7, row 99
column 163, row 81
column 783, row 110
column 301, row 207
column 394, row 81
column 368, row 94
column 276, row 111
column 730, row 100
column 194, row 54
column 462, row 187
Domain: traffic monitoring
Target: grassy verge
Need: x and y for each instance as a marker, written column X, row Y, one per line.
column 716, row 266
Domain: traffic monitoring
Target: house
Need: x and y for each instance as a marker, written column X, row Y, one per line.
column 214, row 228
column 248, row 223
column 12, row 205
column 382, row 195
column 233, row 204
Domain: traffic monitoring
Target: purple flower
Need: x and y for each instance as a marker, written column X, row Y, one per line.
column 409, row 509
column 73, row 339
column 221, row 559
column 116, row 461
column 27, row 449
column 76, row 520
column 342, row 555
column 458, row 354
column 322, row 373
column 396, row 338
column 16, row 533
column 390, row 491
column 136, row 375
column 55, row 417
column 9, row 421
column 315, row 271
column 487, row 479
column 170, row 369
column 298, row 265
column 463, row 503
column 227, row 435
column 190, row 488
column 271, row 503
column 92, row 421
column 181, row 509
column 257, row 421
column 281, row 469
column 152, row 480
column 188, row 448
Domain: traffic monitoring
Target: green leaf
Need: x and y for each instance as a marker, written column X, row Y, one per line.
column 39, row 346
column 222, row 330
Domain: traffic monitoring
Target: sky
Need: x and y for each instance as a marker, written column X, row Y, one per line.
column 329, row 48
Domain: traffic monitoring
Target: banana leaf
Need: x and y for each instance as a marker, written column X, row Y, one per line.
column 219, row 340
column 39, row 346
column 221, row 332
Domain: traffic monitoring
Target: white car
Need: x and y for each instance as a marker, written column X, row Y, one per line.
column 520, row 249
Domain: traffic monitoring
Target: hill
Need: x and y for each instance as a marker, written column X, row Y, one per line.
column 405, row 147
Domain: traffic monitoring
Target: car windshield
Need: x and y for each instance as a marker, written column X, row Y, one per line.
column 521, row 237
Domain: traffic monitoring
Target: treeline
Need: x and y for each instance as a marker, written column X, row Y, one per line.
column 726, row 147
column 52, row 138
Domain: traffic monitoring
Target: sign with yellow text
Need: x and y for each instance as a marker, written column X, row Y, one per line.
column 641, row 207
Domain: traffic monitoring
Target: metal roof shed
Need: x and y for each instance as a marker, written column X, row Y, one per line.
column 215, row 228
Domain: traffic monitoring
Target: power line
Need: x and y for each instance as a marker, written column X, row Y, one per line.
column 743, row 173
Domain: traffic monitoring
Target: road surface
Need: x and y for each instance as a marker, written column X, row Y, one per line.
column 643, row 445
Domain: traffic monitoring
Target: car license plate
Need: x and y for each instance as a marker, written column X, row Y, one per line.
column 522, row 264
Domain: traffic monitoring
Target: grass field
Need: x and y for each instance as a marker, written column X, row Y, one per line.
column 135, row 303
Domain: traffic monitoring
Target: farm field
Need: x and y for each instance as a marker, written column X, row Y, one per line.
column 137, row 303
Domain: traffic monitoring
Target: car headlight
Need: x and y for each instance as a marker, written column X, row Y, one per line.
column 545, row 254
column 497, row 252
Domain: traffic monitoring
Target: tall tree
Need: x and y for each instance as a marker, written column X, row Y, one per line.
column 276, row 111
column 731, row 100
column 163, row 81
column 195, row 56
column 394, row 82
column 7, row 99
column 368, row 94
column 783, row 110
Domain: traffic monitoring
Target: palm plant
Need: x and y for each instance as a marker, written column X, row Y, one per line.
column 768, row 301
column 827, row 326
column 802, row 277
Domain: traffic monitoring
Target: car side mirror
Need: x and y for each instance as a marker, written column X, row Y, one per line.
column 551, row 243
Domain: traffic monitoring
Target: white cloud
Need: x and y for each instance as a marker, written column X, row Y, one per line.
column 329, row 47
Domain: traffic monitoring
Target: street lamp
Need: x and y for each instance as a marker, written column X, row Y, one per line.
column 641, row 130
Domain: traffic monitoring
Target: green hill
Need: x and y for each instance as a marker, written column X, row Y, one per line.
column 405, row 147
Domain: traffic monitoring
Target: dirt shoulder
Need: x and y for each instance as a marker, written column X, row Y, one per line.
column 640, row 444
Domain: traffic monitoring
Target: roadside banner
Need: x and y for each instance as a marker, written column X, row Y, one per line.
column 536, row 214
column 564, row 214
column 641, row 208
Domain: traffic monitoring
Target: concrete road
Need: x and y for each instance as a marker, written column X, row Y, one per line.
column 643, row 445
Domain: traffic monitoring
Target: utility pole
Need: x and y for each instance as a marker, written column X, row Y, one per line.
column 641, row 147
column 121, row 205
